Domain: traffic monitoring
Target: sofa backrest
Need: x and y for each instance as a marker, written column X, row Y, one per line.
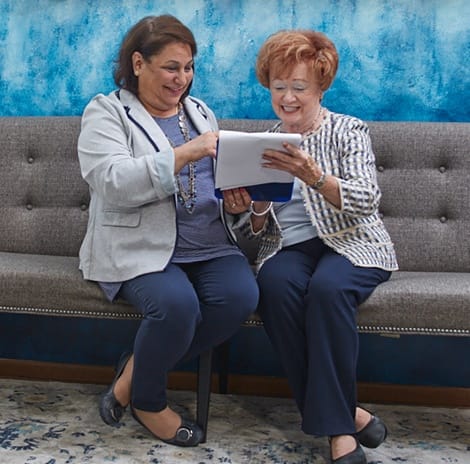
column 43, row 198
column 423, row 172
column 424, row 175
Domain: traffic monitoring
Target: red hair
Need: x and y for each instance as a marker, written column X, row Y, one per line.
column 282, row 51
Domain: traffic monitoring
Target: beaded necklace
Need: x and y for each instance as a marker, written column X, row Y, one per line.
column 187, row 198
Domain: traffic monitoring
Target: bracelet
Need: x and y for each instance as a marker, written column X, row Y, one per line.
column 320, row 182
column 255, row 213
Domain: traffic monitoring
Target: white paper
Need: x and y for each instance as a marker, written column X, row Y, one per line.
column 239, row 158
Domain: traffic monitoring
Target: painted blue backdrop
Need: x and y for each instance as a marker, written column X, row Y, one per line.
column 399, row 60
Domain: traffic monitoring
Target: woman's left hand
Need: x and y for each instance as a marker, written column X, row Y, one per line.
column 236, row 200
column 294, row 161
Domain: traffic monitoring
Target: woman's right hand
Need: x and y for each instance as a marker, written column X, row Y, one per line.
column 203, row 145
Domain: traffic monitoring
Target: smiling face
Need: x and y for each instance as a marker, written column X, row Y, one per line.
column 295, row 98
column 164, row 78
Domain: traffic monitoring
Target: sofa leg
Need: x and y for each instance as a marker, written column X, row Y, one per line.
column 204, row 380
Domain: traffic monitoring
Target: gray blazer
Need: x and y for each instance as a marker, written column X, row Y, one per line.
column 128, row 164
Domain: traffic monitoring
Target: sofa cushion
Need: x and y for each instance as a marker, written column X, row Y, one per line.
column 43, row 284
column 424, row 303
column 420, row 303
column 410, row 302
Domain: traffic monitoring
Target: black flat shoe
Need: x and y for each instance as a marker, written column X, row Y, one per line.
column 110, row 409
column 188, row 433
column 373, row 434
column 356, row 456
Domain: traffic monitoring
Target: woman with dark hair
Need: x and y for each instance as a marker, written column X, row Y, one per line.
column 323, row 252
column 157, row 235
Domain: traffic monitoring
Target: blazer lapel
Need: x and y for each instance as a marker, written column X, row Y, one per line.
column 140, row 117
column 143, row 120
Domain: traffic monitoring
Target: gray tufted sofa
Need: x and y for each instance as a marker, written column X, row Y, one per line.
column 423, row 170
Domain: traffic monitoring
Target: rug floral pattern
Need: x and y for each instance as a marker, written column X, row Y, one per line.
column 58, row 423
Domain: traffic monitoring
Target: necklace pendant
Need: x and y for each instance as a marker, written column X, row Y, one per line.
column 187, row 205
column 190, row 208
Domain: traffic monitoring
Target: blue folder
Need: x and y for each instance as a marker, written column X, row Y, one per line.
column 276, row 191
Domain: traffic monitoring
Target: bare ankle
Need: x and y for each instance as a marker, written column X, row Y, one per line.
column 341, row 445
column 163, row 424
column 362, row 418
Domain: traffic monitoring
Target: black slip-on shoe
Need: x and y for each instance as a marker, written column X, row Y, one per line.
column 110, row 409
column 373, row 434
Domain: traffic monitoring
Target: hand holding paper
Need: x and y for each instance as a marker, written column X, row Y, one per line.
column 240, row 164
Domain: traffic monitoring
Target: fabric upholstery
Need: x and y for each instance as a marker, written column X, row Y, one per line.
column 423, row 172
column 46, row 284
column 44, row 201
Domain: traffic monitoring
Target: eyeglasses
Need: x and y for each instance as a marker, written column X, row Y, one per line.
column 282, row 87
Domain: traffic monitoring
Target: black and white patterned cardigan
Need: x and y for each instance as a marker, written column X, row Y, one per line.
column 342, row 148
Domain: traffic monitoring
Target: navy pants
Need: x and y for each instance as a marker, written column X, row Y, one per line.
column 187, row 309
column 309, row 296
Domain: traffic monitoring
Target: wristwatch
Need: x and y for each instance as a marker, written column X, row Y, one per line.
column 320, row 182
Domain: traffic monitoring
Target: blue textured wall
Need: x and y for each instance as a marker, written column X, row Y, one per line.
column 399, row 60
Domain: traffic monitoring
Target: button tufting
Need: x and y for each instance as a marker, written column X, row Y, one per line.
column 442, row 169
column 29, row 206
column 83, row 207
column 380, row 168
column 30, row 160
column 443, row 219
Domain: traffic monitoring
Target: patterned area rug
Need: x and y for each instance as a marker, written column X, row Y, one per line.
column 58, row 423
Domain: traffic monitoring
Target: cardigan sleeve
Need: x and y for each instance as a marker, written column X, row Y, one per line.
column 360, row 193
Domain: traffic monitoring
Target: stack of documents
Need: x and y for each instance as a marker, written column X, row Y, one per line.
column 240, row 164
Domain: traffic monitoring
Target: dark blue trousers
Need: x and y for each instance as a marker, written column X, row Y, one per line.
column 187, row 309
column 309, row 296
